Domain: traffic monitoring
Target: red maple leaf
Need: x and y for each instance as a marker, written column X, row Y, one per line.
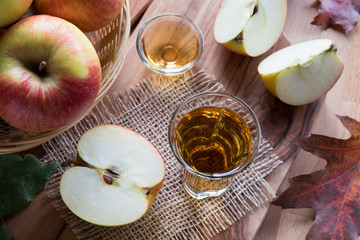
column 343, row 13
column 333, row 192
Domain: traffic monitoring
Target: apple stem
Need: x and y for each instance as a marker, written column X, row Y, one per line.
column 80, row 163
column 42, row 66
column 112, row 173
column 333, row 48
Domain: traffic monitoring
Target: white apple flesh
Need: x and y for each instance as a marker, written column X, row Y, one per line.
column 126, row 174
column 50, row 74
column 250, row 27
column 303, row 72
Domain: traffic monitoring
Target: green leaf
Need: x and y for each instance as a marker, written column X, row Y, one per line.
column 21, row 180
column 5, row 234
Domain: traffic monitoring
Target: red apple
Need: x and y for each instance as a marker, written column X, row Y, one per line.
column 12, row 10
column 87, row 15
column 120, row 176
column 50, row 73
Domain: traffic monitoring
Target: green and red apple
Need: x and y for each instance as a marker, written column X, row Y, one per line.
column 303, row 72
column 118, row 178
column 12, row 10
column 50, row 73
column 87, row 15
column 250, row 27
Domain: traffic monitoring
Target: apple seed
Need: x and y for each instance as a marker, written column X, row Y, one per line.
column 108, row 174
column 255, row 10
column 107, row 179
column 114, row 171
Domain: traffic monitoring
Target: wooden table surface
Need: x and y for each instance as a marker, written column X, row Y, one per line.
column 281, row 123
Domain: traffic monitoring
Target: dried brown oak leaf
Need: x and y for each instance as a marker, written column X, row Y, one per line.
column 343, row 13
column 333, row 192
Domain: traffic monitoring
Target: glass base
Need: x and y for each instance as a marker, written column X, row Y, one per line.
column 204, row 194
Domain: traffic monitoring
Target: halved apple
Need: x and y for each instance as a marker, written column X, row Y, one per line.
column 120, row 176
column 303, row 72
column 250, row 27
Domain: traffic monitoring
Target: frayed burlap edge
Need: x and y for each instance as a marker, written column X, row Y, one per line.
column 146, row 108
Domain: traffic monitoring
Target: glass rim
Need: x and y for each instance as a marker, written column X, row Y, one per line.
column 219, row 175
column 175, row 71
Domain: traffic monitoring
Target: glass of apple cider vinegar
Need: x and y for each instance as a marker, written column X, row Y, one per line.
column 214, row 136
column 169, row 43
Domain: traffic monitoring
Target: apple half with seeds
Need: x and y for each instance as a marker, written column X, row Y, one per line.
column 303, row 72
column 250, row 27
column 118, row 175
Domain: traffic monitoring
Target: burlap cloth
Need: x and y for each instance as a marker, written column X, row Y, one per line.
column 147, row 108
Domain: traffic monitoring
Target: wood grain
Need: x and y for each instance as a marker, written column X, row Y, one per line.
column 39, row 220
column 281, row 123
column 342, row 99
column 137, row 8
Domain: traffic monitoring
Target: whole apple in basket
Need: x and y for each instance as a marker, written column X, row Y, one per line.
column 50, row 73
column 118, row 176
column 12, row 10
column 85, row 14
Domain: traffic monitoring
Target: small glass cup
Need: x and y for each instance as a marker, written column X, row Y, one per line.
column 214, row 136
column 169, row 43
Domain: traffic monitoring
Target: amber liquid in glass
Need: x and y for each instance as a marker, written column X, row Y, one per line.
column 213, row 140
column 170, row 44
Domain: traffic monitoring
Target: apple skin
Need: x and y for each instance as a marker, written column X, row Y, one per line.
column 12, row 10
column 236, row 47
column 127, row 198
column 68, row 84
column 87, row 15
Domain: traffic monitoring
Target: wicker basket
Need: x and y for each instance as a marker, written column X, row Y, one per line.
column 110, row 43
